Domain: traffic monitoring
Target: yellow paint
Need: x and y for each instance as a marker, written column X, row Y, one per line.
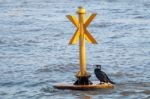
column 81, row 34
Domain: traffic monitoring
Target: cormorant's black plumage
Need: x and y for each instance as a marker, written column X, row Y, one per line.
column 102, row 75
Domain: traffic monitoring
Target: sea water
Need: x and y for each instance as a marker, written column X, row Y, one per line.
column 34, row 50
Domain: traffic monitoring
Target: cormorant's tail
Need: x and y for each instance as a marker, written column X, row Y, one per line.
column 111, row 82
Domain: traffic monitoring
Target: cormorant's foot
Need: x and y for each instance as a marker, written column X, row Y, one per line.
column 90, row 82
column 101, row 83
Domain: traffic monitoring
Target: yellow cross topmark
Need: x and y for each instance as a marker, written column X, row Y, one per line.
column 87, row 34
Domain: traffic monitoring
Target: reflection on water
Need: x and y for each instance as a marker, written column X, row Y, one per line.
column 34, row 51
column 87, row 97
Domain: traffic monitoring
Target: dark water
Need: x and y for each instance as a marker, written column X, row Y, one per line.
column 34, row 51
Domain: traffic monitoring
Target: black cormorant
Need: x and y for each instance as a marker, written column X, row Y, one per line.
column 102, row 75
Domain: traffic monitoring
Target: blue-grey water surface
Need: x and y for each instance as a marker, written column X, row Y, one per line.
column 34, row 51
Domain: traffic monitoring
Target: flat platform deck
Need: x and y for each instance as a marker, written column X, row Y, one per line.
column 94, row 86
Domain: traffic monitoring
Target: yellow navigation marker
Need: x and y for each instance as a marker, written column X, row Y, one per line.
column 82, row 82
column 81, row 34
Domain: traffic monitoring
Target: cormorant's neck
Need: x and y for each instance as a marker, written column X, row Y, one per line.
column 98, row 69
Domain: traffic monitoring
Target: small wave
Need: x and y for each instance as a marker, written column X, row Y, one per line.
column 44, row 70
column 146, row 92
column 49, row 90
column 19, row 92
column 32, row 41
column 35, row 84
column 117, row 36
column 131, row 92
column 127, row 93
column 9, row 84
column 2, row 42
column 139, row 17
column 147, row 4
column 34, row 30
column 101, row 25
column 3, row 93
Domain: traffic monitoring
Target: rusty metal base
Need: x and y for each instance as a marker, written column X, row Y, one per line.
column 83, row 81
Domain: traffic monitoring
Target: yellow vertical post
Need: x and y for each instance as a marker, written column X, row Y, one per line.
column 82, row 34
column 81, row 13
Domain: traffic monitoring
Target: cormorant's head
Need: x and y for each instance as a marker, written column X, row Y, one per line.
column 98, row 67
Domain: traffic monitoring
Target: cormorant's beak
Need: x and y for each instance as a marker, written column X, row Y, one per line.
column 98, row 66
